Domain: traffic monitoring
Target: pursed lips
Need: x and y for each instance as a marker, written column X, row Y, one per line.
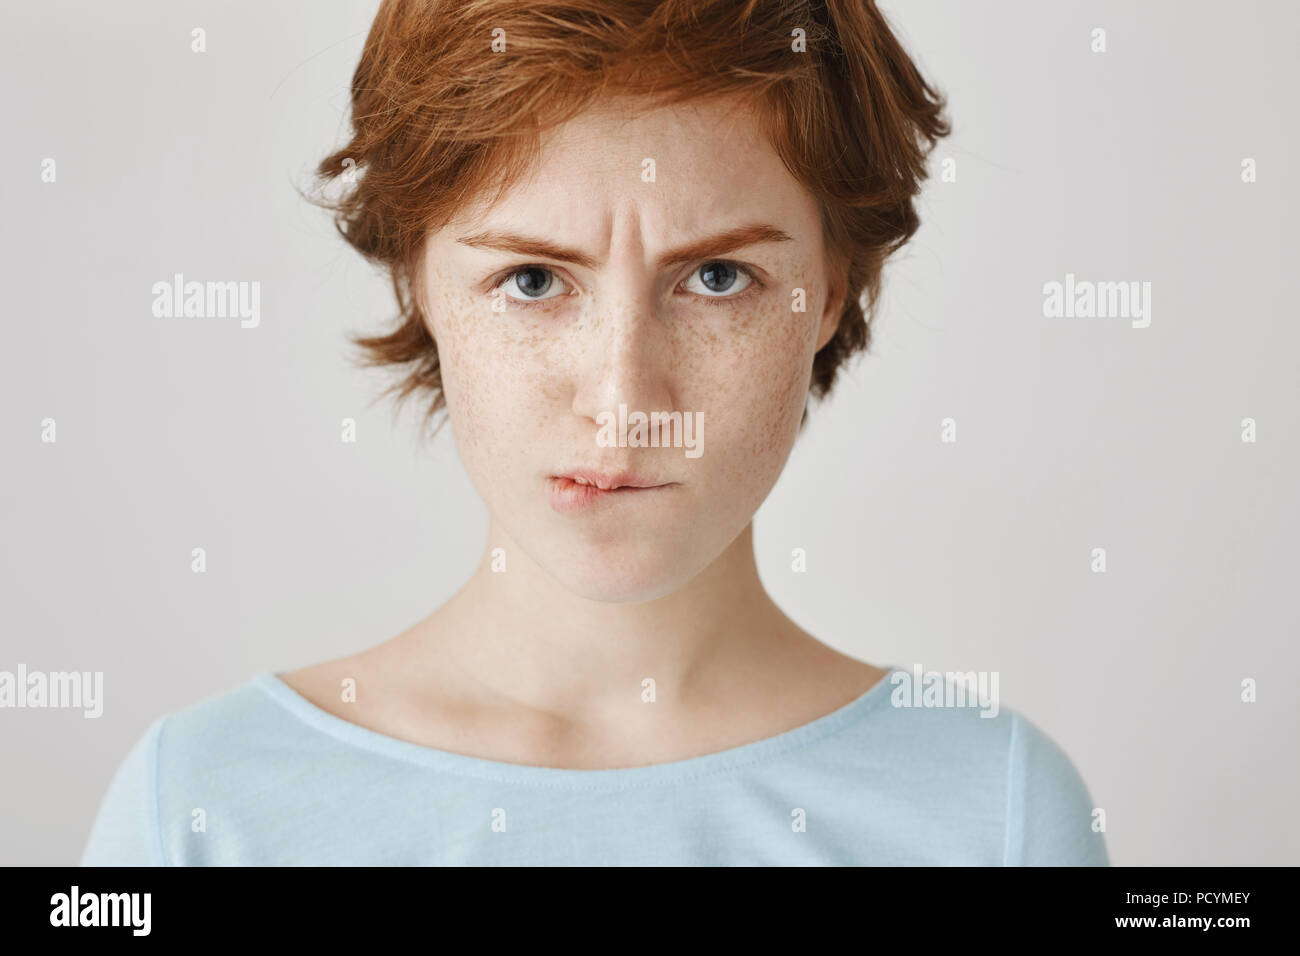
column 580, row 487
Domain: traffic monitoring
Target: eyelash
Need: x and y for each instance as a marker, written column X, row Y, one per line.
column 756, row 285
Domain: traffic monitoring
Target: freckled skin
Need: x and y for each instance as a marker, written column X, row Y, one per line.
column 524, row 386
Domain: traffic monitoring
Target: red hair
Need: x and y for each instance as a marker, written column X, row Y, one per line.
column 440, row 120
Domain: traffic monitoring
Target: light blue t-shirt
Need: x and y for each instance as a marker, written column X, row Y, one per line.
column 261, row 776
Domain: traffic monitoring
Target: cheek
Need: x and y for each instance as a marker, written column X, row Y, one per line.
column 476, row 414
column 490, row 377
column 753, row 383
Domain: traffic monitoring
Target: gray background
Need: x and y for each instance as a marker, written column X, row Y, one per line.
column 1072, row 433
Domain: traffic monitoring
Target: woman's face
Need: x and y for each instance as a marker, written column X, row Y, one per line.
column 650, row 264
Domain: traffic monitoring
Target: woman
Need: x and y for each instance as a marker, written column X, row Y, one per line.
column 628, row 241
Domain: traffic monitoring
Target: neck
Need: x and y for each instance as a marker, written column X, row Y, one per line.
column 520, row 635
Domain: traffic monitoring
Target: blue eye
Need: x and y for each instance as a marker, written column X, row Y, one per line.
column 532, row 283
column 718, row 278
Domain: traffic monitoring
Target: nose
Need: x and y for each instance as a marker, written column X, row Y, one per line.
column 627, row 358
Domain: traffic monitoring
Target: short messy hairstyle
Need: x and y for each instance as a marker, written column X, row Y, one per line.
column 449, row 97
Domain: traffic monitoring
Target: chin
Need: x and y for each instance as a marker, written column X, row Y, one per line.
column 639, row 572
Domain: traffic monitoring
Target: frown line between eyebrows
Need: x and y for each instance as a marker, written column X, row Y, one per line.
column 710, row 246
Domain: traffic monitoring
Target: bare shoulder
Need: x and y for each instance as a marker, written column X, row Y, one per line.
column 860, row 676
column 355, row 687
column 371, row 687
column 828, row 676
column 325, row 683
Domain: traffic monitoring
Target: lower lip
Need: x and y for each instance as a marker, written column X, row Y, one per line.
column 568, row 496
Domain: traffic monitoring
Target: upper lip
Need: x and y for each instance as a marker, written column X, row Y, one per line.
column 608, row 482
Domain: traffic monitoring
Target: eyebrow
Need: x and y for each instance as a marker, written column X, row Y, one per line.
column 715, row 245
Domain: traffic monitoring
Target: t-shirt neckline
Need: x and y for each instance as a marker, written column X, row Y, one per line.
column 572, row 778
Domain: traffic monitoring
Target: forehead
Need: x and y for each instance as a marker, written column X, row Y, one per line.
column 688, row 169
